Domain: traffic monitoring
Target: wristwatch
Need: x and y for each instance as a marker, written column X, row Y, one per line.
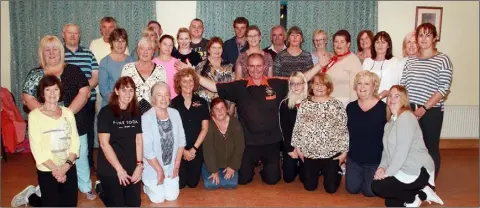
column 425, row 108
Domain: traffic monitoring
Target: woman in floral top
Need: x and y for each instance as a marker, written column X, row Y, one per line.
column 145, row 73
column 215, row 69
column 320, row 135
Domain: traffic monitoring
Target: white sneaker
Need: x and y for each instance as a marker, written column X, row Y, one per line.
column 416, row 203
column 22, row 197
column 37, row 191
column 432, row 196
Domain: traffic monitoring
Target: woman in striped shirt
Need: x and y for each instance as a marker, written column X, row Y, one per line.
column 428, row 78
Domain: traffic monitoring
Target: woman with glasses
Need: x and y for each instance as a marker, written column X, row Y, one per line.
column 254, row 36
column 320, row 40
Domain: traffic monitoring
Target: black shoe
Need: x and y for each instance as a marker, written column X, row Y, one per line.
column 98, row 187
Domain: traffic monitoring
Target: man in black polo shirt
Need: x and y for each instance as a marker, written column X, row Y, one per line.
column 257, row 100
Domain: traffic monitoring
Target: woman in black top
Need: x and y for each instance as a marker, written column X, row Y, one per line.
column 51, row 55
column 366, row 120
column 120, row 163
column 185, row 51
column 297, row 86
column 195, row 115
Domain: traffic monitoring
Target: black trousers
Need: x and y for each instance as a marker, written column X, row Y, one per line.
column 55, row 194
column 291, row 168
column 115, row 195
column 396, row 193
column 90, row 106
column 331, row 172
column 269, row 155
column 190, row 171
column 431, row 125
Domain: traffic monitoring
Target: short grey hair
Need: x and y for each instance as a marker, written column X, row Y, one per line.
column 159, row 84
column 145, row 41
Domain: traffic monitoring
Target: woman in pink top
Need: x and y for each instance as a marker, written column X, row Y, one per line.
column 167, row 60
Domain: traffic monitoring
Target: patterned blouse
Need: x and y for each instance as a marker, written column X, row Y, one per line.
column 223, row 73
column 143, row 86
column 242, row 61
column 321, row 129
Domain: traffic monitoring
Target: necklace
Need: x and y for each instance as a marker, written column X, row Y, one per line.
column 381, row 69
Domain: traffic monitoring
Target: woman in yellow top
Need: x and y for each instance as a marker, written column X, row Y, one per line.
column 55, row 145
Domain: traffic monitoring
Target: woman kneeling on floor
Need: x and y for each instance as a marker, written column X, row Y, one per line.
column 320, row 135
column 164, row 140
column 223, row 148
column 406, row 170
column 119, row 162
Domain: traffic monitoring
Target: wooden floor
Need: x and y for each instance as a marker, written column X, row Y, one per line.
column 457, row 185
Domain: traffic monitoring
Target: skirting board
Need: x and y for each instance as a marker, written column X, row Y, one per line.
column 471, row 143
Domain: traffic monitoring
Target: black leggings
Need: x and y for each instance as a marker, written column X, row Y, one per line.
column 55, row 194
column 331, row 172
column 113, row 194
column 190, row 171
column 431, row 125
column 396, row 193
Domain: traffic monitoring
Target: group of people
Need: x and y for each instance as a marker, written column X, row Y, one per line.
column 213, row 110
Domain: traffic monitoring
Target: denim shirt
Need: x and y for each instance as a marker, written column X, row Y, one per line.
column 110, row 71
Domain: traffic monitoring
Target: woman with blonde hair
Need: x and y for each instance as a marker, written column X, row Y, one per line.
column 409, row 49
column 185, row 51
column 150, row 33
column 320, row 40
column 406, row 169
column 366, row 119
column 297, row 91
column 51, row 55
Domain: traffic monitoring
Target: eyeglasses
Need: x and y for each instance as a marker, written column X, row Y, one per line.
column 318, row 40
column 253, row 36
column 299, row 84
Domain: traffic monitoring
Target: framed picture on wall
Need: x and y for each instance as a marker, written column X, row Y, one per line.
column 430, row 14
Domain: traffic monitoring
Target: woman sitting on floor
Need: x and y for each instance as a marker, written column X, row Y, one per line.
column 406, row 170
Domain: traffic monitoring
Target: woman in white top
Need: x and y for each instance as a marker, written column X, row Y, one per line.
column 144, row 73
column 383, row 63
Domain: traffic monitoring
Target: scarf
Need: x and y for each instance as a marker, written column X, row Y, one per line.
column 334, row 60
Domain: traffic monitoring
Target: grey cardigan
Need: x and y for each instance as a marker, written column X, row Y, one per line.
column 403, row 147
column 151, row 141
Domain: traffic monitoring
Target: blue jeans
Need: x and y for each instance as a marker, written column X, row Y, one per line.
column 359, row 177
column 83, row 168
column 228, row 184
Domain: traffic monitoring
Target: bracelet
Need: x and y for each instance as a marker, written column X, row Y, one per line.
column 195, row 148
column 139, row 162
column 69, row 162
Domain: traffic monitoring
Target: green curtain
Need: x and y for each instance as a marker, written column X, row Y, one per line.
column 331, row 16
column 218, row 17
column 31, row 20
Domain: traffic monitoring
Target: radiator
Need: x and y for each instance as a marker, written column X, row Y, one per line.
column 460, row 122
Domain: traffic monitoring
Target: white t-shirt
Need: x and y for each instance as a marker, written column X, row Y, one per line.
column 387, row 70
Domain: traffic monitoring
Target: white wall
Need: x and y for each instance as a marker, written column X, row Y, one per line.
column 175, row 14
column 5, row 51
column 459, row 40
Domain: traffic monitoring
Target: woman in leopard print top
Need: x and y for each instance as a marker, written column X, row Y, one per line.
column 320, row 135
